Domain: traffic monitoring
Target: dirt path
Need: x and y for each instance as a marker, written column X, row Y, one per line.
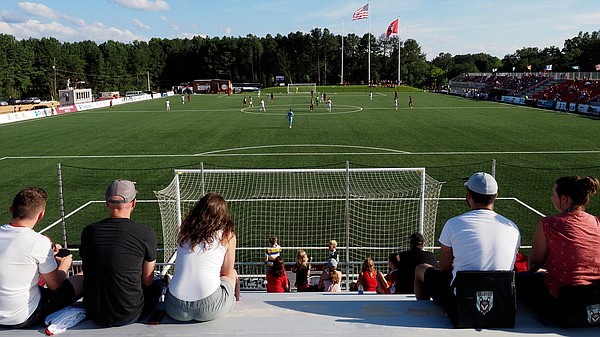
column 24, row 107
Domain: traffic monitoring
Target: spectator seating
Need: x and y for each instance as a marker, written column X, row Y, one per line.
column 572, row 91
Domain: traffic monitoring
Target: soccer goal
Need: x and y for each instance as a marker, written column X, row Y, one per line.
column 301, row 88
column 371, row 212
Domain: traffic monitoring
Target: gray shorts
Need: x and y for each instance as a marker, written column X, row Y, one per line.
column 215, row 305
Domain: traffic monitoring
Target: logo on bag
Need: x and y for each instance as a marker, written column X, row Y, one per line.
column 485, row 301
column 593, row 313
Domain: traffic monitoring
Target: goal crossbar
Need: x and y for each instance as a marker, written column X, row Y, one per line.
column 301, row 88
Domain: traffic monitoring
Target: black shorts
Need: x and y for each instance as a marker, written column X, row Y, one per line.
column 437, row 285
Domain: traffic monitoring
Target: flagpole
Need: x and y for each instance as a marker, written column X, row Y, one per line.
column 399, row 76
column 342, row 77
column 369, row 36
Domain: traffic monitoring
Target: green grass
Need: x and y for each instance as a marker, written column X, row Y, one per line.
column 450, row 136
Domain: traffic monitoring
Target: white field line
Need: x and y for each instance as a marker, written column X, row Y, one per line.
column 82, row 207
column 220, row 153
column 301, row 145
column 503, row 198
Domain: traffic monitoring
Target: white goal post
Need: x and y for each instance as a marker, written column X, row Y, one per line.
column 301, row 88
column 371, row 212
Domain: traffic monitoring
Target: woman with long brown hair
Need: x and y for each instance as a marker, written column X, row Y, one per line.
column 205, row 285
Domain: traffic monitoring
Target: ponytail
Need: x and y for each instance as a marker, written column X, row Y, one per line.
column 579, row 189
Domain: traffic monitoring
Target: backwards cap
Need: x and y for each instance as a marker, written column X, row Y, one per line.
column 121, row 188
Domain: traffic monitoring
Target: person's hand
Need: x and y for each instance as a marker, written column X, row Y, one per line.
column 65, row 262
column 56, row 247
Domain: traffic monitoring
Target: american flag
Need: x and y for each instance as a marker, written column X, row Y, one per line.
column 361, row 13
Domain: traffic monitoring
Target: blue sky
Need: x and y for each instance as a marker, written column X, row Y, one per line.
column 496, row 27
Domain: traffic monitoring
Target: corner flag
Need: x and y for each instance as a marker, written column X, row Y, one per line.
column 392, row 29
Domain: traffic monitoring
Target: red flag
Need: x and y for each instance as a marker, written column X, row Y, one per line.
column 361, row 13
column 392, row 29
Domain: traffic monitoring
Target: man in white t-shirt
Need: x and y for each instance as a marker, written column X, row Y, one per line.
column 479, row 240
column 25, row 255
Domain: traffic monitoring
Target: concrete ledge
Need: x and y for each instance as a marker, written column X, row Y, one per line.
column 321, row 314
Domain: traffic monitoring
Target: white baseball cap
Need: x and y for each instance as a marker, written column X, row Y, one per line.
column 482, row 183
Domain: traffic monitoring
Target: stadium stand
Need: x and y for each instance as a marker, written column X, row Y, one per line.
column 573, row 91
column 535, row 86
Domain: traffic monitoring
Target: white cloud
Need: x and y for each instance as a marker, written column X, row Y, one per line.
column 164, row 18
column 227, row 30
column 140, row 24
column 174, row 27
column 191, row 35
column 96, row 32
column 144, row 5
column 8, row 17
column 100, row 32
column 36, row 9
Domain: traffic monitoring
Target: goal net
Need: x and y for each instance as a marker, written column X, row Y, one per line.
column 301, row 88
column 369, row 212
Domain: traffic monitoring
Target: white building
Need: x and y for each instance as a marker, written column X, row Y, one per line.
column 75, row 96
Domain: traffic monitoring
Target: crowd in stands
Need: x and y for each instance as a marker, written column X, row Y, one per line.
column 383, row 83
column 119, row 286
column 572, row 91
column 512, row 84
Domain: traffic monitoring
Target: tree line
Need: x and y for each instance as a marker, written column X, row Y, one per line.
column 39, row 67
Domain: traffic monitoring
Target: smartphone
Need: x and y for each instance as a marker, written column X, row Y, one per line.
column 63, row 252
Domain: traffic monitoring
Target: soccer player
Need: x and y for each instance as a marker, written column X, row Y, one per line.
column 410, row 102
column 329, row 105
column 250, row 104
column 168, row 105
column 182, row 99
column 262, row 105
column 244, row 102
column 371, row 95
column 290, row 116
column 395, row 103
column 312, row 105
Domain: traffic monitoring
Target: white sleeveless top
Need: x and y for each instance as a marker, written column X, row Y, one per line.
column 198, row 273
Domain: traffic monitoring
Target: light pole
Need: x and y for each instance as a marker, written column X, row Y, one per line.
column 54, row 87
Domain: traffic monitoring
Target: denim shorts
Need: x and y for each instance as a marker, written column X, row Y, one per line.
column 215, row 305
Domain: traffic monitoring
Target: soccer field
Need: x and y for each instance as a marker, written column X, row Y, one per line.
column 450, row 136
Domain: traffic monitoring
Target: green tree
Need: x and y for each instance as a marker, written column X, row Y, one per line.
column 415, row 67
